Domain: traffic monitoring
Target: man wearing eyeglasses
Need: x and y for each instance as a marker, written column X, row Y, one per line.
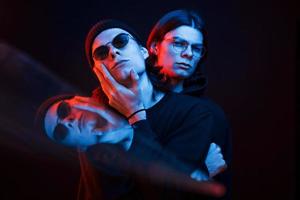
column 159, row 121
column 117, row 57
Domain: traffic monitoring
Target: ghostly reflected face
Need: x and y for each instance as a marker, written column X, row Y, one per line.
column 74, row 123
column 179, row 52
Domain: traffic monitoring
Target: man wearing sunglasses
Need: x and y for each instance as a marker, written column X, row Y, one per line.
column 159, row 122
column 179, row 123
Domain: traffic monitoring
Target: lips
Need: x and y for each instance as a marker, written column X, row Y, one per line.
column 184, row 65
column 117, row 64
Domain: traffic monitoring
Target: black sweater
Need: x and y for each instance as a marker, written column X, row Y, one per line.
column 166, row 148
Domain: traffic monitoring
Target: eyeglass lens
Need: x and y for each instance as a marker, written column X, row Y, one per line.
column 61, row 131
column 182, row 45
column 118, row 42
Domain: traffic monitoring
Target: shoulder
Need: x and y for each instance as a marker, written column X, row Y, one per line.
column 174, row 106
column 212, row 105
column 198, row 104
column 220, row 118
column 182, row 99
column 185, row 104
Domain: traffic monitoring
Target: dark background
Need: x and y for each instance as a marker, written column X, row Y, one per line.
column 251, row 68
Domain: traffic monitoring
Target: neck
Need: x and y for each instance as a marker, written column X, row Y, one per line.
column 150, row 96
column 176, row 85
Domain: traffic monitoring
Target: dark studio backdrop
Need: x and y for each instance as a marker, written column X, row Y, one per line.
column 251, row 68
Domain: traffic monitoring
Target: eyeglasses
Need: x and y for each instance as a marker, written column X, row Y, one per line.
column 120, row 41
column 61, row 131
column 180, row 45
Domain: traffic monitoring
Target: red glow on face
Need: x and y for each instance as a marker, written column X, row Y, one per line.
column 179, row 63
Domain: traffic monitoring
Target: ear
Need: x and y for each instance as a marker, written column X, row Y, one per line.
column 144, row 52
column 153, row 48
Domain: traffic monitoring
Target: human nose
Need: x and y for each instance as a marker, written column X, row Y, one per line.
column 113, row 51
column 69, row 121
column 188, row 52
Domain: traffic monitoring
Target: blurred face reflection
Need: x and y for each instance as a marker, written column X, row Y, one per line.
column 68, row 123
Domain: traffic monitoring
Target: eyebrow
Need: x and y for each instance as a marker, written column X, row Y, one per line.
column 112, row 40
column 180, row 38
column 177, row 37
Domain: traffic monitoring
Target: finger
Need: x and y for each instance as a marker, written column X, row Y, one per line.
column 81, row 99
column 86, row 107
column 222, row 166
column 198, row 175
column 98, row 109
column 113, row 136
column 221, row 169
column 86, row 100
column 105, row 85
column 212, row 147
column 107, row 76
column 102, row 80
column 134, row 79
column 98, row 74
column 101, row 111
column 217, row 148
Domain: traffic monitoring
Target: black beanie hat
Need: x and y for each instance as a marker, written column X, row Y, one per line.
column 100, row 27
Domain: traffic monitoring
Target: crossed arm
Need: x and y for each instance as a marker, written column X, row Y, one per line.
column 124, row 136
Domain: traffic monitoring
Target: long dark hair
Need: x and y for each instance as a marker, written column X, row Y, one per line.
column 169, row 22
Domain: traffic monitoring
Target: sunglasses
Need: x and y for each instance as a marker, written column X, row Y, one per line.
column 120, row 41
column 61, row 131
